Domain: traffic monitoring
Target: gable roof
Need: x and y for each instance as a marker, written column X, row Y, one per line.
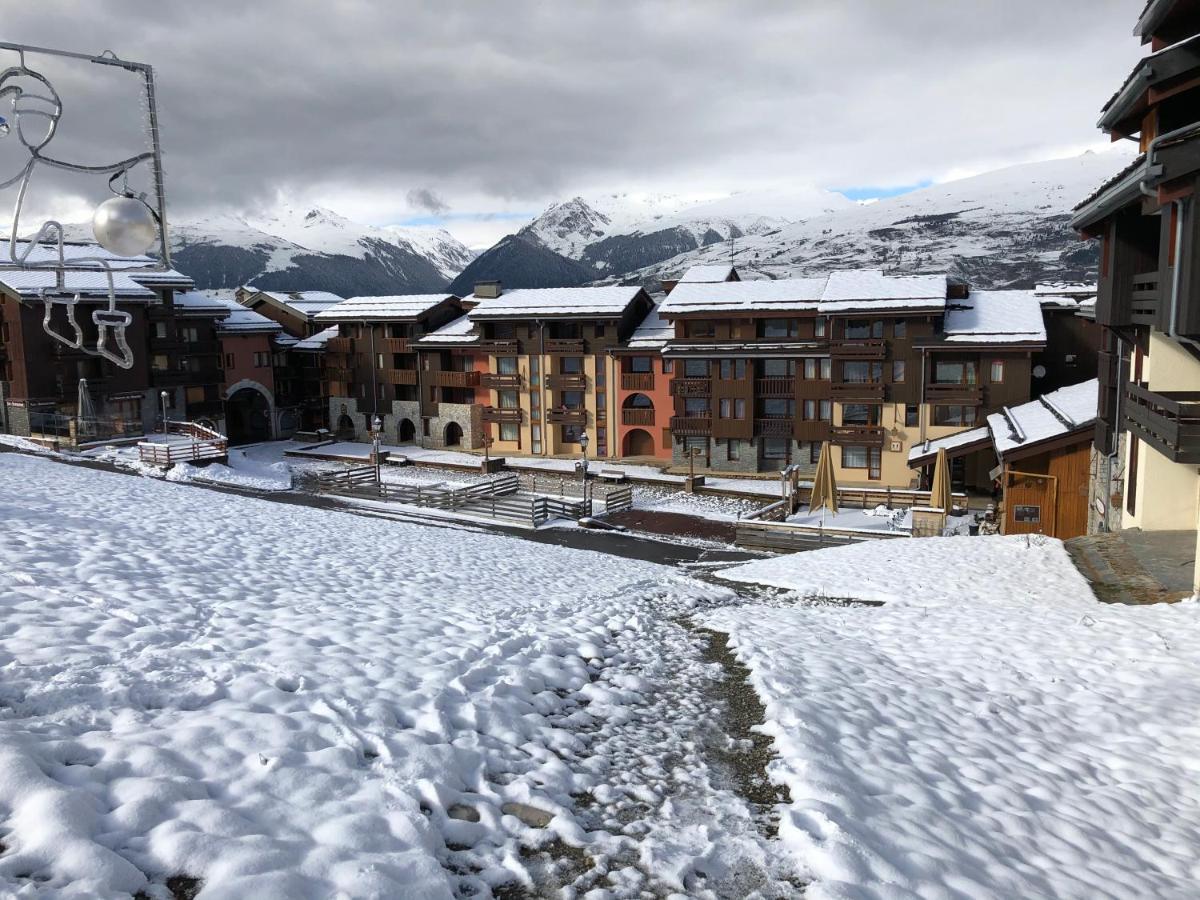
column 1053, row 415
column 653, row 333
column 304, row 304
column 405, row 307
column 708, row 274
column 995, row 317
column 607, row 302
column 313, row 343
column 242, row 320
column 27, row 284
column 460, row 332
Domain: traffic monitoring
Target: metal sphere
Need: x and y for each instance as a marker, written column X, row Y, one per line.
column 124, row 226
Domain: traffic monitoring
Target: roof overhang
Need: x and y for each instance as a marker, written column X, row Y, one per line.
column 1117, row 194
column 1082, row 432
column 969, row 442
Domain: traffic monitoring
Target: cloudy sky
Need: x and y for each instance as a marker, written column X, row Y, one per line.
column 476, row 115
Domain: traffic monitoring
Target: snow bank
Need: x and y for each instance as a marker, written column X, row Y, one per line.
column 285, row 701
column 993, row 731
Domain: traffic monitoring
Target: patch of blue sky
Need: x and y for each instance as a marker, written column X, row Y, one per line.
column 443, row 219
column 879, row 193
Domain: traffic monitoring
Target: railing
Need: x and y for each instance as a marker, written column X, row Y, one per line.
column 618, row 499
column 499, row 382
column 773, row 427
column 857, row 390
column 637, row 416
column 1144, row 298
column 398, row 376
column 691, row 387
column 772, row 512
column 206, row 445
column 566, row 416
column 392, row 345
column 775, row 387
column 855, row 435
column 956, row 392
column 454, row 379
column 497, row 414
column 1169, row 421
column 782, row 537
column 637, row 381
column 340, row 345
column 566, row 382
column 691, row 425
column 506, row 347
column 80, row 431
column 564, row 345
column 858, row 349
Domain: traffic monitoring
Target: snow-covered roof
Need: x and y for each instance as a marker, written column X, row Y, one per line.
column 1053, row 415
column 316, row 341
column 143, row 269
column 461, row 331
column 304, row 303
column 400, row 306
column 995, row 317
column 872, row 284
column 241, row 320
column 707, row 274
column 199, row 304
column 29, row 283
column 927, row 449
column 653, row 333
column 593, row 302
column 1065, row 289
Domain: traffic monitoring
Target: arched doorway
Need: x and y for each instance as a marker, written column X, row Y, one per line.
column 345, row 427
column 248, row 416
column 638, row 442
column 453, row 434
column 406, row 432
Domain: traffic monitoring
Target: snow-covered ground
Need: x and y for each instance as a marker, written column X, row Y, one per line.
column 991, row 731
column 244, row 470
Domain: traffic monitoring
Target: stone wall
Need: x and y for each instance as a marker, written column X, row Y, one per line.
column 749, row 457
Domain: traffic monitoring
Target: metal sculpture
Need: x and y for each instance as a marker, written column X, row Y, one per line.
column 127, row 224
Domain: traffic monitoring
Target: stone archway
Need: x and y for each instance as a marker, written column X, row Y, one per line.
column 345, row 427
column 247, row 417
column 406, row 431
column 453, row 435
column 638, row 442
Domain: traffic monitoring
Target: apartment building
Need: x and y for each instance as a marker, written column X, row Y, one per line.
column 372, row 367
column 765, row 371
column 248, row 364
column 1148, row 433
column 295, row 311
column 301, row 385
column 551, row 373
column 644, row 390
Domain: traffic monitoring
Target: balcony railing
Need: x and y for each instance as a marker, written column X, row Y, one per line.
column 691, row 387
column 560, row 382
column 499, row 382
column 775, row 387
column 564, row 345
column 637, row 417
column 686, row 426
column 1144, row 298
column 393, row 345
column 855, row 435
column 334, row 373
column 774, row 427
column 340, row 345
column 858, row 349
column 505, row 347
column 1168, row 421
column 566, row 416
column 454, row 379
column 956, row 392
column 637, row 381
column 497, row 414
column 399, row 376
column 857, row 390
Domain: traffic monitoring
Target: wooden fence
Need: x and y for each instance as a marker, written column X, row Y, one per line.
column 780, row 537
column 618, row 499
column 206, row 445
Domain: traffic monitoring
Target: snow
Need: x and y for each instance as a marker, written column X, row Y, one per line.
column 784, row 295
column 962, row 438
column 707, row 274
column 609, row 302
column 243, row 320
column 461, row 331
column 316, row 341
column 653, row 332
column 404, row 306
column 30, row 282
column 991, row 732
column 1052, row 415
column 878, row 519
column 1078, row 289
column 306, row 303
column 872, row 284
column 996, row 317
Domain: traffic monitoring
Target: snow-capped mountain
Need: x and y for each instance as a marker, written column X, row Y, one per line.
column 315, row 249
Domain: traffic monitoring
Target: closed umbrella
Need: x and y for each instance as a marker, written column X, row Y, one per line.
column 824, row 490
column 939, row 492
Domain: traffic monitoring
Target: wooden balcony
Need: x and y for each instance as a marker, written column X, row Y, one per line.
column 398, row 376
column 496, row 414
column 393, row 345
column 499, row 382
column 1145, row 299
column 691, row 387
column 690, row 426
column 637, row 417
column 507, row 347
column 566, row 416
column 559, row 382
column 858, row 435
column 564, row 345
column 334, row 373
column 858, row 349
column 453, row 379
column 340, row 345
column 775, row 387
column 781, row 428
column 967, row 394
column 860, row 391
column 637, row 381
column 1168, row 421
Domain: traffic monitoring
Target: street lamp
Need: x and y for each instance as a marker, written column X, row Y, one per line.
column 376, row 433
column 164, row 396
column 583, row 465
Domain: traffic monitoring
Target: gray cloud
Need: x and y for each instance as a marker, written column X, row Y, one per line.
column 518, row 101
column 428, row 200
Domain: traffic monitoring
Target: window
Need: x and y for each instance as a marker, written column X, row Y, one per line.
column 725, row 408
column 699, row 328
column 739, row 408
column 776, row 448
column 860, row 414
column 535, row 442
column 854, row 457
column 695, row 407
column 601, row 402
column 778, row 328
column 571, row 365
column 535, row 401
column 779, row 368
column 639, row 364
column 778, row 408
column 810, row 410
column 733, row 450
column 898, row 371
column 861, row 329
column 826, row 410
column 506, row 365
column 810, row 369
column 601, row 374
column 826, row 369
column 229, row 360
column 997, row 373
column 572, row 433
column 946, row 371
column 262, row 359
column 695, row 368
column 160, row 362
column 599, row 332
column 510, row 431
column 820, row 326
column 900, row 329
column 668, row 366
column 379, row 362
column 954, row 415
column 160, row 329
column 508, row 399
column 572, row 399
column 814, row 453
column 733, row 368
column 912, row 415
column 191, row 334
column 861, row 372
column 601, row 441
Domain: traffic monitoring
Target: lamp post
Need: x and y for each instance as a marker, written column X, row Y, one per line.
column 376, row 433
column 164, row 396
column 583, row 464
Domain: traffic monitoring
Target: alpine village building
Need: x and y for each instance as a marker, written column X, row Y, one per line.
column 1147, row 218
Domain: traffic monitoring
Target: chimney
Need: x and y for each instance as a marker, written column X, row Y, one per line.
column 487, row 290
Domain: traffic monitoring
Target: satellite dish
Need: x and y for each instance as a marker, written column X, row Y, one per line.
column 1039, row 371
